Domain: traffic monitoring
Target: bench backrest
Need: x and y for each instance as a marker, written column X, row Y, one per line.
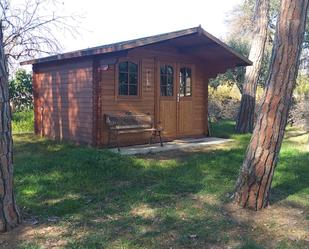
column 128, row 121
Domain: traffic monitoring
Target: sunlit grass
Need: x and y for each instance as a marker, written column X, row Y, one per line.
column 22, row 122
column 105, row 200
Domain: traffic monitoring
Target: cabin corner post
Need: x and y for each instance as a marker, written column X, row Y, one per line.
column 156, row 92
column 36, row 102
column 206, row 113
column 96, row 125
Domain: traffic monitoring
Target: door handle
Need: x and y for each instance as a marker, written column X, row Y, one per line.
column 178, row 97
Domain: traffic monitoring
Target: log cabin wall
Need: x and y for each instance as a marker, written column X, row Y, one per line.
column 73, row 91
column 148, row 99
column 63, row 106
column 72, row 96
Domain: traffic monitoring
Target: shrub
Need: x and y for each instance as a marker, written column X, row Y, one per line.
column 20, row 88
column 299, row 112
column 223, row 102
column 22, row 122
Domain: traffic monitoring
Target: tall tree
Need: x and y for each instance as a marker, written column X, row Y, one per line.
column 245, row 119
column 255, row 178
column 9, row 214
column 26, row 30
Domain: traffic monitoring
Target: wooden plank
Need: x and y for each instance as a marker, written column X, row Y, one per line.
column 168, row 117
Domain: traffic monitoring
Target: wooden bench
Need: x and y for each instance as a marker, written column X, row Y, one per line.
column 128, row 123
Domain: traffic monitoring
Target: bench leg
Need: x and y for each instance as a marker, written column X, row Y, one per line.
column 159, row 134
column 109, row 139
column 117, row 142
column 152, row 135
column 150, row 139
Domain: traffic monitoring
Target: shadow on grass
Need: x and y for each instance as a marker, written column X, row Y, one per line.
column 291, row 176
column 96, row 188
column 292, row 172
column 130, row 202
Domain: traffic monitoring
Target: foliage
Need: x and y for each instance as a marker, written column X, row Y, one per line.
column 240, row 27
column 22, row 122
column 30, row 27
column 20, row 88
column 299, row 111
column 237, row 75
column 175, row 199
column 223, row 102
column 240, row 19
column 302, row 87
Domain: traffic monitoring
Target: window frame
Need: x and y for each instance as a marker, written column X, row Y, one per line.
column 173, row 66
column 185, row 86
column 139, row 81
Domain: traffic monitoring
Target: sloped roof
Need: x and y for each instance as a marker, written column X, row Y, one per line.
column 195, row 40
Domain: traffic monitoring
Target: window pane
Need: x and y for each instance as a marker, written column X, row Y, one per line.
column 133, row 90
column 182, row 71
column 123, row 67
column 123, row 78
column 185, row 88
column 128, row 78
column 170, row 79
column 132, row 67
column 133, row 79
column 181, row 89
column 166, row 80
column 169, row 90
column 188, row 82
column 123, row 89
column 188, row 91
column 181, row 83
column 163, row 90
column 169, row 70
column 163, row 69
column 163, row 80
column 189, row 74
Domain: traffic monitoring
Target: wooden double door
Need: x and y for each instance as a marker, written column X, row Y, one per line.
column 175, row 93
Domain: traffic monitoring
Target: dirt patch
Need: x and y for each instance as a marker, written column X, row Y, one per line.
column 144, row 211
column 268, row 227
column 47, row 236
column 273, row 224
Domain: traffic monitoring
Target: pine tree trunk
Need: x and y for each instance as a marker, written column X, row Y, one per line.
column 254, row 182
column 9, row 214
column 245, row 119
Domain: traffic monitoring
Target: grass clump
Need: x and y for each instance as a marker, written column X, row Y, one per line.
column 22, row 122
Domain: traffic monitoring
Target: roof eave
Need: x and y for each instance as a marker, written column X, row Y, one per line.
column 246, row 61
column 126, row 45
column 121, row 46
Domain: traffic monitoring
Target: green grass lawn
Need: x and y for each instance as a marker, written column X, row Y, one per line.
column 96, row 199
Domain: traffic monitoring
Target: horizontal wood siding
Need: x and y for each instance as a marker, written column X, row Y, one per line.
column 65, row 92
column 146, row 101
column 200, row 103
column 112, row 103
column 71, row 97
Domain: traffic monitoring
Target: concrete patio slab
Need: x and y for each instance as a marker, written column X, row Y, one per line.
column 180, row 144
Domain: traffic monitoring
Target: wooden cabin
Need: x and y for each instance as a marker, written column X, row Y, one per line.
column 164, row 75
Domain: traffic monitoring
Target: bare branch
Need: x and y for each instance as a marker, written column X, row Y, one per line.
column 30, row 28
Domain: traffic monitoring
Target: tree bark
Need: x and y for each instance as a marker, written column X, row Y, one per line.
column 245, row 119
column 254, row 182
column 9, row 214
